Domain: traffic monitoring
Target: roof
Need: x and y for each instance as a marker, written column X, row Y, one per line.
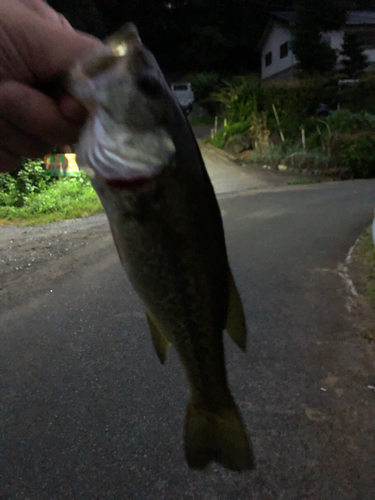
column 288, row 17
column 360, row 17
column 354, row 17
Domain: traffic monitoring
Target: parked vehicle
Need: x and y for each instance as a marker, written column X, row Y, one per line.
column 185, row 96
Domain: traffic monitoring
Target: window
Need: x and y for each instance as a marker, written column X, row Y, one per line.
column 283, row 50
column 269, row 59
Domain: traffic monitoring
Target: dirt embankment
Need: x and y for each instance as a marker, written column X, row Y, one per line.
column 361, row 267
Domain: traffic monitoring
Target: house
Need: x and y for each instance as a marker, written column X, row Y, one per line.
column 278, row 60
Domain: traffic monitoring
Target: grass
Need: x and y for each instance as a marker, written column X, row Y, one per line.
column 207, row 120
column 304, row 180
column 366, row 253
column 63, row 199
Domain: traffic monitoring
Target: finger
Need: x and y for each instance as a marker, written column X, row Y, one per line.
column 17, row 142
column 71, row 109
column 42, row 50
column 36, row 114
column 46, row 12
column 8, row 161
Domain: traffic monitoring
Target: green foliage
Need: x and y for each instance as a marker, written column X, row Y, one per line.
column 295, row 103
column 30, row 179
column 357, row 156
column 28, row 198
column 63, row 199
column 218, row 140
column 345, row 121
column 203, row 120
column 293, row 156
column 230, row 130
column 354, row 59
column 239, row 98
column 16, row 189
column 7, row 183
column 344, row 140
column 205, row 83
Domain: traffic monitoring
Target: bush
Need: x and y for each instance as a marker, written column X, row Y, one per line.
column 30, row 179
column 230, row 130
column 296, row 101
column 239, row 98
column 347, row 122
column 205, row 83
column 16, row 189
column 292, row 156
column 65, row 198
column 7, row 189
column 357, row 156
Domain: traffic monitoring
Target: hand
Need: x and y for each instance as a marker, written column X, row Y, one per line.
column 37, row 48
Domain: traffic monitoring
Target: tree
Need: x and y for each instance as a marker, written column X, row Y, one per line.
column 314, row 18
column 354, row 60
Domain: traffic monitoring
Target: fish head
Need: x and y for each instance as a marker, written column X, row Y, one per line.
column 126, row 137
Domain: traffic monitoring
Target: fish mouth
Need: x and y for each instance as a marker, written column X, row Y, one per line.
column 123, row 159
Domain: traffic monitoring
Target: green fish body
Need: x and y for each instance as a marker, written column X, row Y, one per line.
column 147, row 169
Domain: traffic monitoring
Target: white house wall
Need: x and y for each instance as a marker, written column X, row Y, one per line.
column 370, row 53
column 279, row 35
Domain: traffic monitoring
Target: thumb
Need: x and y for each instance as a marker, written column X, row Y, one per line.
column 46, row 50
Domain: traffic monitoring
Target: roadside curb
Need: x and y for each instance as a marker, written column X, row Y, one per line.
column 343, row 272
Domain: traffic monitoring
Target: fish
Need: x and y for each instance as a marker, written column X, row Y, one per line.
column 146, row 167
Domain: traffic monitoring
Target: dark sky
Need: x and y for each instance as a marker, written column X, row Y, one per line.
column 193, row 35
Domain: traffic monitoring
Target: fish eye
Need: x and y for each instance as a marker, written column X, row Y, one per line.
column 149, row 85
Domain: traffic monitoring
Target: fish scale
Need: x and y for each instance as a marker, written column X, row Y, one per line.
column 167, row 228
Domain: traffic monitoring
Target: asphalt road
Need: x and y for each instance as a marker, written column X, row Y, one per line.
column 87, row 411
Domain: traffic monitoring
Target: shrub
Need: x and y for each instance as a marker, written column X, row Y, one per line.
column 7, row 189
column 204, row 84
column 357, row 155
column 347, row 122
column 292, row 156
column 15, row 189
column 239, row 98
column 230, row 130
column 63, row 198
column 272, row 156
column 30, row 179
column 259, row 132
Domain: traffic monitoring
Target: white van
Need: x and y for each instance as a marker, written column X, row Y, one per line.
column 185, row 95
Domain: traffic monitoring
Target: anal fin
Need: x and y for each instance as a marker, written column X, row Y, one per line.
column 236, row 323
column 160, row 342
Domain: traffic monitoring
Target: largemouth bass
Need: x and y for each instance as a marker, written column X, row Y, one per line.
column 147, row 169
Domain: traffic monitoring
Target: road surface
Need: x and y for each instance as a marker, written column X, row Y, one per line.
column 87, row 411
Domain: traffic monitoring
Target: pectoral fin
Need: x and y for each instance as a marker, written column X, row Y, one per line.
column 236, row 323
column 159, row 340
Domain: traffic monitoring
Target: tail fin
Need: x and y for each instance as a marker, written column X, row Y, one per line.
column 219, row 437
